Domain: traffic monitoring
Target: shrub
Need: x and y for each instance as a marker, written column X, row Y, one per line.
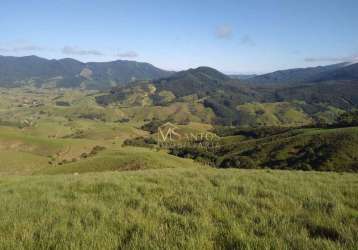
column 140, row 142
column 62, row 104
column 236, row 162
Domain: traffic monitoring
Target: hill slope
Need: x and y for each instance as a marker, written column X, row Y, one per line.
column 330, row 149
column 234, row 102
column 198, row 81
column 348, row 73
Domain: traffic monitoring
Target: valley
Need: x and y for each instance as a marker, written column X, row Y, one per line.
column 264, row 166
column 179, row 125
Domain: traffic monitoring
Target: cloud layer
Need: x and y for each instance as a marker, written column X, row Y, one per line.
column 69, row 50
column 247, row 40
column 128, row 54
column 352, row 58
column 25, row 48
column 224, row 32
column 227, row 32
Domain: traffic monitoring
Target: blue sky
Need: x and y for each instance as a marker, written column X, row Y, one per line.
column 234, row 36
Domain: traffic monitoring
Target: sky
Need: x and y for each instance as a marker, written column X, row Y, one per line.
column 234, row 36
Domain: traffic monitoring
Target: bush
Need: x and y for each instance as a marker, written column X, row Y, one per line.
column 123, row 120
column 348, row 119
column 62, row 104
column 198, row 154
column 236, row 162
column 140, row 142
column 93, row 116
column 84, row 155
column 255, row 133
column 96, row 149
column 154, row 124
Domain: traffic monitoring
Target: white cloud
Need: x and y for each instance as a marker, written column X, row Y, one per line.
column 128, row 54
column 28, row 48
column 351, row 58
column 224, row 32
column 247, row 40
column 69, row 50
column 22, row 48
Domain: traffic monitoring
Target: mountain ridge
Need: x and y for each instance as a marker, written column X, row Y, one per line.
column 302, row 75
column 17, row 71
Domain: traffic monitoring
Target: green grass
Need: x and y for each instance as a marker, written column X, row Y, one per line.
column 123, row 159
column 20, row 163
column 26, row 151
column 193, row 208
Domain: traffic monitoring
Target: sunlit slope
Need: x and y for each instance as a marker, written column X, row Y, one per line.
column 77, row 147
column 272, row 114
column 123, row 159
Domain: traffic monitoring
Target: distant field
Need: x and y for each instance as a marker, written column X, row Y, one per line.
column 124, row 159
column 181, row 208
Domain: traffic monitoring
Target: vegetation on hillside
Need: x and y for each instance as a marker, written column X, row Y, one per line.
column 330, row 148
column 235, row 103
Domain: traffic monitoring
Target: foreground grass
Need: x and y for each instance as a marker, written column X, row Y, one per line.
column 186, row 208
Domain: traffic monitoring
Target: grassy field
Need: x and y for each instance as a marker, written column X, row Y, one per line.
column 124, row 159
column 67, row 181
column 181, row 208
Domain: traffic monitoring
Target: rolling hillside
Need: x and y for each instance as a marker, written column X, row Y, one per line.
column 321, row 149
column 76, row 174
column 239, row 103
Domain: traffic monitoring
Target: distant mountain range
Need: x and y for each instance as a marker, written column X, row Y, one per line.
column 242, row 76
column 17, row 71
column 341, row 71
